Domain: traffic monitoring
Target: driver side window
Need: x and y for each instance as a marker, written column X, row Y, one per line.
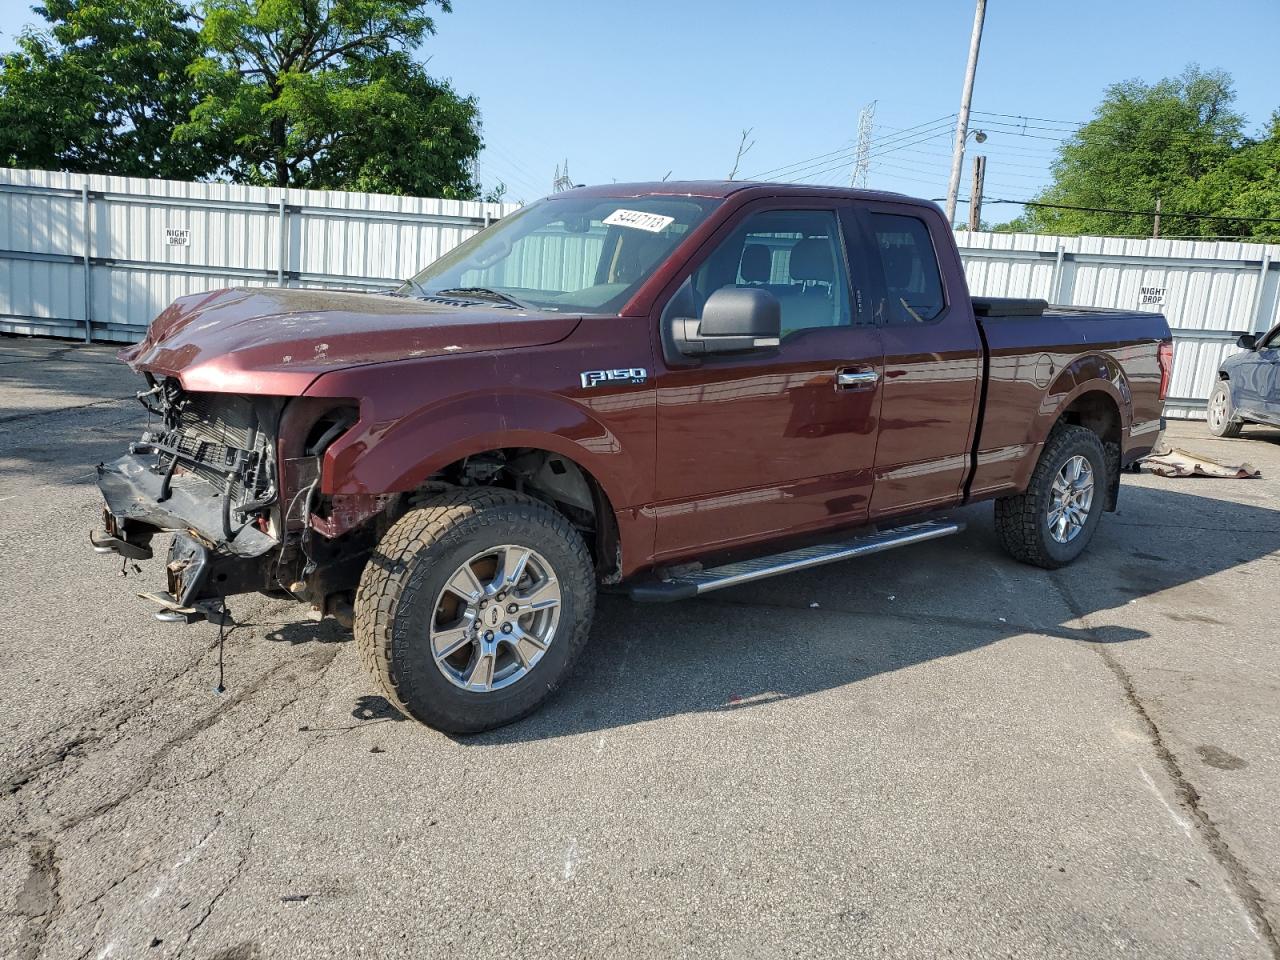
column 796, row 255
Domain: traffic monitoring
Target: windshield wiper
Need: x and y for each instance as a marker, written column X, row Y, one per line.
column 422, row 291
column 484, row 293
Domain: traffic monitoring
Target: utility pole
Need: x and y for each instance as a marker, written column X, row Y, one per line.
column 862, row 156
column 966, row 99
column 1155, row 225
column 975, row 192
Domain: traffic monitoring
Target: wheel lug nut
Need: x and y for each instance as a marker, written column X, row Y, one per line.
column 506, row 628
column 512, row 608
column 488, row 636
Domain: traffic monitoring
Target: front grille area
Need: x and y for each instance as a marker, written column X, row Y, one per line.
column 215, row 436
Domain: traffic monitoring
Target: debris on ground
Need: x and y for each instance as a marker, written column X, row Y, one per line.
column 1182, row 463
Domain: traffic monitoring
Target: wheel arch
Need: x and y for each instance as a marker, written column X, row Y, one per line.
column 548, row 472
column 1097, row 406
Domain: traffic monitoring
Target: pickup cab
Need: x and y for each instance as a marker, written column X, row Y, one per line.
column 659, row 389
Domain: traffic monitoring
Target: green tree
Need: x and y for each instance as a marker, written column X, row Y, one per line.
column 1178, row 140
column 102, row 89
column 1246, row 185
column 324, row 94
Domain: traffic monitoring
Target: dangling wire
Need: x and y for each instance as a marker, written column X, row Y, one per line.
column 222, row 636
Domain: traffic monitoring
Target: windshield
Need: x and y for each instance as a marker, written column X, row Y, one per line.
column 572, row 254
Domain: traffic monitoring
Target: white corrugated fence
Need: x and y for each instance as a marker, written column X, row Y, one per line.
column 98, row 256
column 1209, row 291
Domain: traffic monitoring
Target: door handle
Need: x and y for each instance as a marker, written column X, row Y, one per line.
column 856, row 379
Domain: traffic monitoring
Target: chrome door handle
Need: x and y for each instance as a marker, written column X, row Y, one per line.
column 856, row 378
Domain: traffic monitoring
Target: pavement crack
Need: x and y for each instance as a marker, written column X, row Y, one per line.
column 221, row 892
column 40, row 899
column 51, row 758
column 1237, row 873
column 49, row 413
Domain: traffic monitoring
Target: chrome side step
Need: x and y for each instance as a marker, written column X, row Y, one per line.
column 699, row 582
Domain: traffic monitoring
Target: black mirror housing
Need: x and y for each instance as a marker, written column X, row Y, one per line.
column 734, row 320
column 1247, row 341
column 741, row 312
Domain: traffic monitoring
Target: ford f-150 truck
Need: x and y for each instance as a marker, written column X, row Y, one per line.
column 662, row 389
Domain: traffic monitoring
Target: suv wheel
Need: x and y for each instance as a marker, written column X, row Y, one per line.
column 1221, row 415
column 473, row 608
column 1053, row 520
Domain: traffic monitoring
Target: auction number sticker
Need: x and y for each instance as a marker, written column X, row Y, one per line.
column 639, row 220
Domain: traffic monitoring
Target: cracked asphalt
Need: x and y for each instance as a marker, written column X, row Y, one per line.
column 931, row 752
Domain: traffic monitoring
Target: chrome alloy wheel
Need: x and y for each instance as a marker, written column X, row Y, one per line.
column 1070, row 499
column 1218, row 409
column 495, row 618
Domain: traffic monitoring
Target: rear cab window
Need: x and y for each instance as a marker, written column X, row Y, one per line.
column 913, row 283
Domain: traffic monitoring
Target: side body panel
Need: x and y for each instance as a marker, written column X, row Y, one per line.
column 418, row 416
column 1040, row 365
column 1255, row 380
column 932, row 381
column 765, row 445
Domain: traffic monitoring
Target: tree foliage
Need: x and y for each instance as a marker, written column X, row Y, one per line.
column 102, row 89
column 303, row 93
column 1179, row 141
column 323, row 93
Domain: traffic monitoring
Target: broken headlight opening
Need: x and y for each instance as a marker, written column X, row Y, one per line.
column 236, row 479
column 221, row 440
column 206, row 471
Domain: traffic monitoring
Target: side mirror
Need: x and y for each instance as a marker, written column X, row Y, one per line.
column 1248, row 341
column 734, row 320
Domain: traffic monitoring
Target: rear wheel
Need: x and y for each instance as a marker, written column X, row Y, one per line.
column 1053, row 520
column 473, row 608
column 1221, row 415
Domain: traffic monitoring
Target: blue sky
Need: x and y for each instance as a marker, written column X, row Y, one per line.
column 629, row 91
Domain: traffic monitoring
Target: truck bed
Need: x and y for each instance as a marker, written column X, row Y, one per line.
column 1036, row 354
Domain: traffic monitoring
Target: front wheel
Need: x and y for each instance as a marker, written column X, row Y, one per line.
column 1221, row 415
column 473, row 608
column 1052, row 521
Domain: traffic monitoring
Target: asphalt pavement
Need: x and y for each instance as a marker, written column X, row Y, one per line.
column 930, row 752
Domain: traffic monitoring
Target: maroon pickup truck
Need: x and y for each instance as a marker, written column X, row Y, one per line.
column 664, row 389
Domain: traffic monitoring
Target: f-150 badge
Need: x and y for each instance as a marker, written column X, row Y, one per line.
column 633, row 375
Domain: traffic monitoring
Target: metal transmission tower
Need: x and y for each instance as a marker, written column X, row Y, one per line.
column 563, row 181
column 862, row 156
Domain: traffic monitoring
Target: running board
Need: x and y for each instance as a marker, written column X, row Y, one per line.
column 694, row 584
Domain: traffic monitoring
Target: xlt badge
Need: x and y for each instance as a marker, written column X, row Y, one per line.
column 633, row 375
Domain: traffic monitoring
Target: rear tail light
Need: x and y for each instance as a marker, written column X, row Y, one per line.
column 1165, row 356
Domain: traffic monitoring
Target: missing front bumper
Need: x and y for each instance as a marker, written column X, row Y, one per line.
column 138, row 505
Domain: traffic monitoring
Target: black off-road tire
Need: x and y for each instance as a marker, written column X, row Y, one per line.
column 404, row 576
column 1226, row 424
column 1022, row 520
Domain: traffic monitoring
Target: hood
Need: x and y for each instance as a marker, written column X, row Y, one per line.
column 275, row 341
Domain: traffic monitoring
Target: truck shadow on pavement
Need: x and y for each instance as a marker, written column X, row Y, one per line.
column 806, row 633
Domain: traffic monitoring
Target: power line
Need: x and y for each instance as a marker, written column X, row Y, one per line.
column 839, row 165
column 1136, row 213
column 1019, row 116
column 847, row 148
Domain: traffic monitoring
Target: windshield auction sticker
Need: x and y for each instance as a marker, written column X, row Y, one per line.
column 653, row 222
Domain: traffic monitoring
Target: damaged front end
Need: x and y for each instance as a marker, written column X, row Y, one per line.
column 216, row 471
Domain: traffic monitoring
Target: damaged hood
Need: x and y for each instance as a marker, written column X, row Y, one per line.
column 277, row 341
